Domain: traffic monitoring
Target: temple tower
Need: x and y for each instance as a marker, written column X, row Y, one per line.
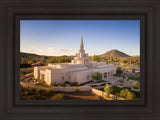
column 81, row 45
column 81, row 57
column 82, row 51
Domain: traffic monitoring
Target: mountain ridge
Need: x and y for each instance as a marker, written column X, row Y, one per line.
column 28, row 54
column 36, row 55
column 111, row 53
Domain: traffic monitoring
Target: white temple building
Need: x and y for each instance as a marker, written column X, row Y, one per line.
column 80, row 70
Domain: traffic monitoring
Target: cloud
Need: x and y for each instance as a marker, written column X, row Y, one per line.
column 128, row 51
column 132, row 52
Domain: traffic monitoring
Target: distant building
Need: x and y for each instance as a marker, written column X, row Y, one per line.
column 79, row 70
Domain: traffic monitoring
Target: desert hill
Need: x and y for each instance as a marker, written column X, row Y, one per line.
column 114, row 53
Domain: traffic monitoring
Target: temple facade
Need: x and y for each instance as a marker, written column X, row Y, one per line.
column 80, row 70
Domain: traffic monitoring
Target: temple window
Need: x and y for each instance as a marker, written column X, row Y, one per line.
column 105, row 75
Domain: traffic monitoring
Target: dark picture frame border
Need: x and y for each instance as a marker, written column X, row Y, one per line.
column 12, row 108
column 78, row 102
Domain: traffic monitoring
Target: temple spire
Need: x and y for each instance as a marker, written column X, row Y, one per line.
column 81, row 45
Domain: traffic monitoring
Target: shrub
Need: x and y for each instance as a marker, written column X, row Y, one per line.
column 123, row 93
column 50, row 91
column 29, row 79
column 53, row 83
column 31, row 75
column 127, row 94
column 43, row 98
column 108, row 89
column 119, row 70
column 103, row 84
column 137, row 94
column 74, row 84
column 135, row 84
column 39, row 90
column 97, row 76
column 130, row 96
column 135, row 87
column 133, row 70
column 94, row 85
column 32, row 89
column 57, row 97
column 25, row 65
column 121, row 81
column 29, row 69
column 41, row 82
column 23, row 72
column 21, row 75
column 63, row 84
column 116, row 89
column 77, row 90
column 67, row 82
column 131, row 77
column 123, row 76
column 85, row 82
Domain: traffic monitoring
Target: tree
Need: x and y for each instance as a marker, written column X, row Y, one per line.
column 95, row 58
column 111, row 60
column 121, row 81
column 135, row 84
column 127, row 94
column 119, row 70
column 51, row 91
column 77, row 90
column 133, row 70
column 123, row 93
column 97, row 76
column 44, row 58
column 130, row 96
column 108, row 89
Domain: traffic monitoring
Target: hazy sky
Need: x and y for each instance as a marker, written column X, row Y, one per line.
column 62, row 37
